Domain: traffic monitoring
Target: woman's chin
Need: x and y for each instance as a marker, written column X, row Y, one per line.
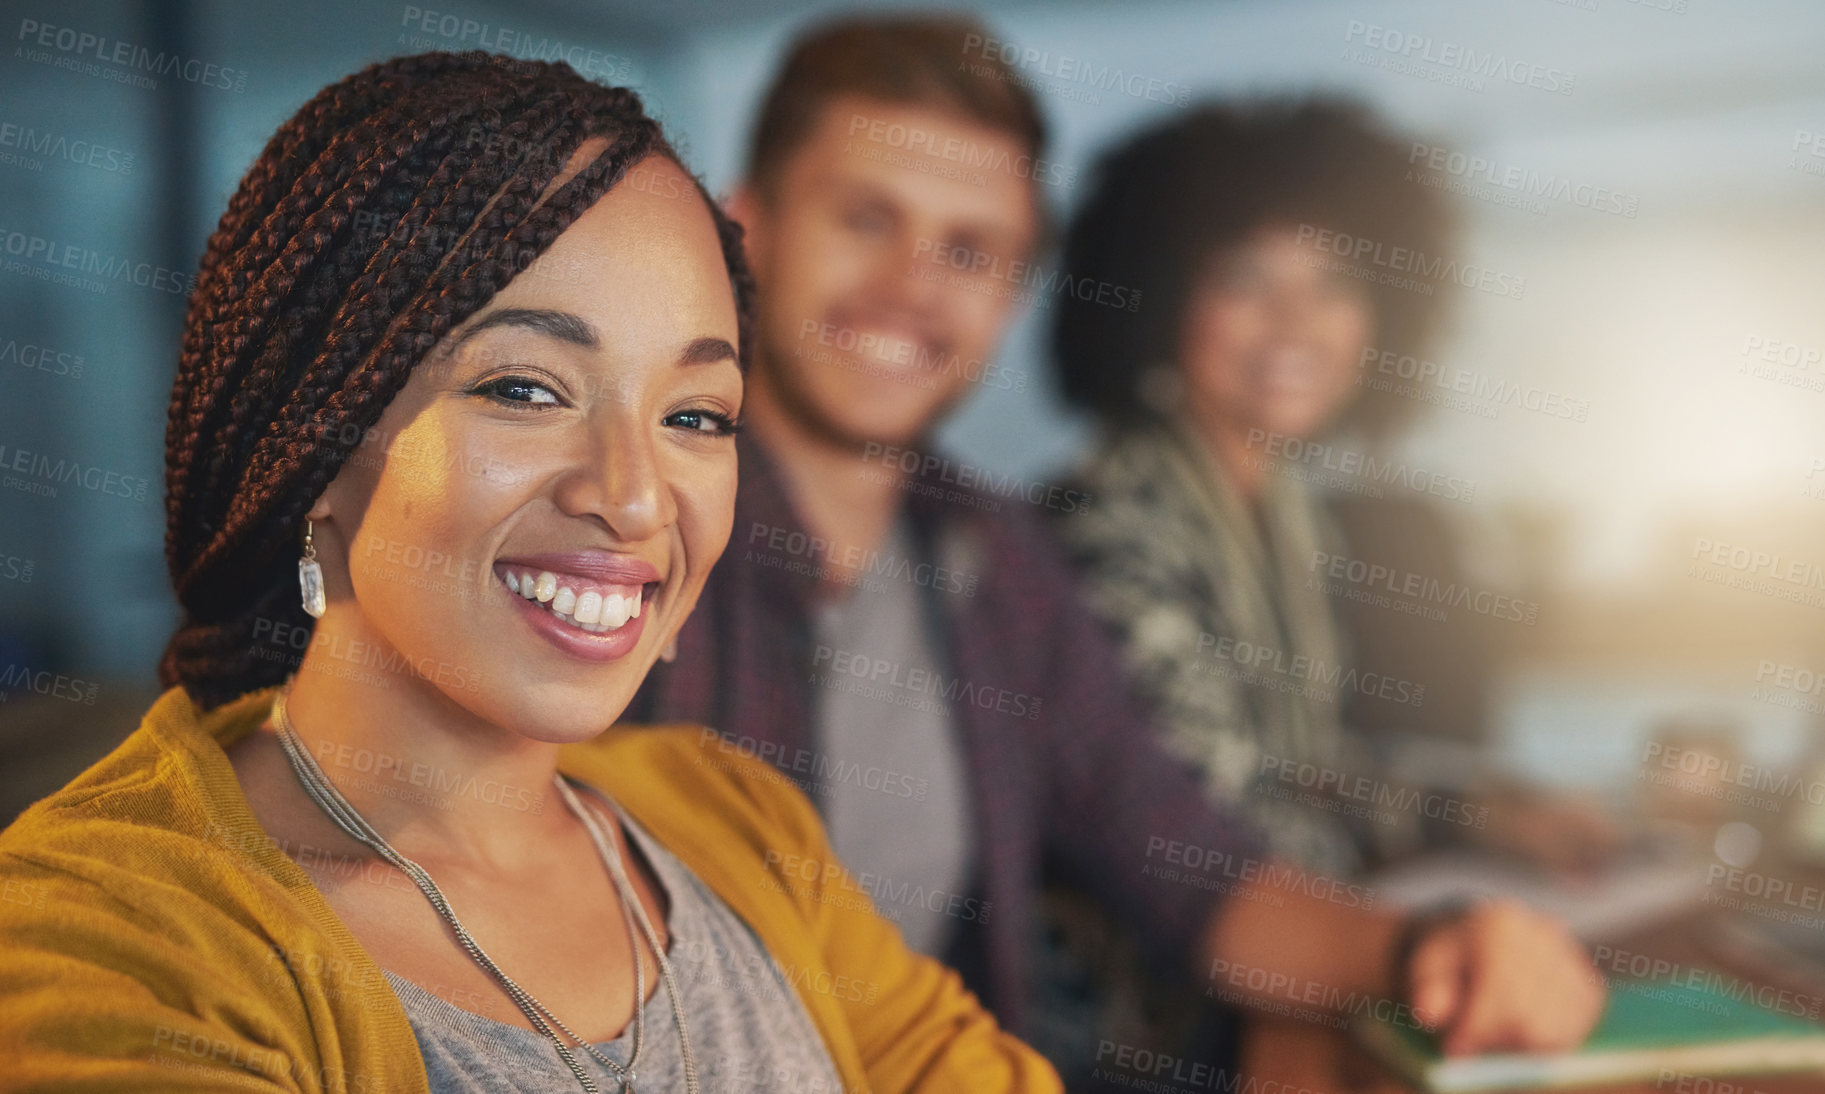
column 556, row 721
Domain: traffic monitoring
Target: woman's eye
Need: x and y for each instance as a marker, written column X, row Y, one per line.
column 517, row 389
column 712, row 422
column 868, row 221
column 1239, row 277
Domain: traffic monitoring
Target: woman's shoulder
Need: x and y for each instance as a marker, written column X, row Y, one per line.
column 693, row 777
column 158, row 821
column 159, row 778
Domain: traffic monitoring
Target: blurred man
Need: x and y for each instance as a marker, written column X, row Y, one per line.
column 894, row 630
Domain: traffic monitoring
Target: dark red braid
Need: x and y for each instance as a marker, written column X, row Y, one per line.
column 387, row 211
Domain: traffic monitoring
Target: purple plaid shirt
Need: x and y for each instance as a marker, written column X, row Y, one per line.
column 1082, row 788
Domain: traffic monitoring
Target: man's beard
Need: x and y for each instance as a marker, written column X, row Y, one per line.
column 782, row 377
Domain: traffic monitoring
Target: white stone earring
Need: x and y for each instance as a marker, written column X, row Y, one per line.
column 670, row 652
column 310, row 577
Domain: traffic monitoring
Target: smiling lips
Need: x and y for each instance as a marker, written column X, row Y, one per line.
column 589, row 604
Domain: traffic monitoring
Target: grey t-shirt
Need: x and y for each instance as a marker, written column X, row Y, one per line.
column 893, row 779
column 748, row 1029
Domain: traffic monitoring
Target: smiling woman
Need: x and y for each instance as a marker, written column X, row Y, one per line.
column 466, row 351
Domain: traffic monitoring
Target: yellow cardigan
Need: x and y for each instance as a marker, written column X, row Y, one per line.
column 153, row 938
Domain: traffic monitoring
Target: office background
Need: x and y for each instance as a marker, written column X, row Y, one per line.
column 1670, row 238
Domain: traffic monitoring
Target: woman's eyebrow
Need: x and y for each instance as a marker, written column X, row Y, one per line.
column 705, row 351
column 562, row 325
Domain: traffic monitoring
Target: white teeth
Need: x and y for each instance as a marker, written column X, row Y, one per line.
column 593, row 611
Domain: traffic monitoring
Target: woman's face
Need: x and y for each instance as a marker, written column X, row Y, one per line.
column 1272, row 338
column 539, row 507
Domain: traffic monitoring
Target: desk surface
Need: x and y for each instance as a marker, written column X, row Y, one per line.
column 1325, row 1061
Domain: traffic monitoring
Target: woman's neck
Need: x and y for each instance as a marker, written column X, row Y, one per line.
column 420, row 768
column 1245, row 466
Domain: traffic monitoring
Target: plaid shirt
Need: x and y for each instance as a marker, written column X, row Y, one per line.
column 1065, row 771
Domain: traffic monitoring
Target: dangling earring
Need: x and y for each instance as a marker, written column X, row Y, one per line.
column 310, row 577
column 670, row 652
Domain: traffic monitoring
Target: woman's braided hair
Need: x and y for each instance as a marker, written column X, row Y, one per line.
column 382, row 215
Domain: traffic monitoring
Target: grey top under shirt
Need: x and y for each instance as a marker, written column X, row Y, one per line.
column 893, row 781
column 749, row 1031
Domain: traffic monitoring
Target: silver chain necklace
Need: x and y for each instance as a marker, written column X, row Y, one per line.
column 331, row 801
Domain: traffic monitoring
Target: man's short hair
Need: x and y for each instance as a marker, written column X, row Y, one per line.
column 939, row 61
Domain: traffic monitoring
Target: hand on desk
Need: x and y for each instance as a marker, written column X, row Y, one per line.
column 1498, row 977
column 1504, row 978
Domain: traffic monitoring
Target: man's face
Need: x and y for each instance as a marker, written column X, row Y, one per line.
column 883, row 261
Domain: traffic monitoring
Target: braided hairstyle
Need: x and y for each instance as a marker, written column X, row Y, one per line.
column 387, row 211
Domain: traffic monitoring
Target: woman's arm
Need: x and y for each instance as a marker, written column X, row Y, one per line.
column 96, row 994
column 1498, row 977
